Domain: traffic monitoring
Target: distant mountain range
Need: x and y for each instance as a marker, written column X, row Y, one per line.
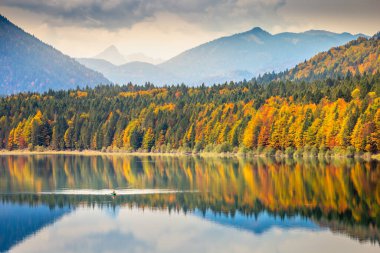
column 252, row 53
column 261, row 224
column 113, row 55
column 233, row 58
column 134, row 72
column 27, row 64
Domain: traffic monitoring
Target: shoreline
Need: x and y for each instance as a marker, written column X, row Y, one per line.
column 121, row 153
column 201, row 154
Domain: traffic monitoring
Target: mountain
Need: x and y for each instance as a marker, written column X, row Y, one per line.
column 233, row 58
column 112, row 55
column 100, row 65
column 135, row 72
column 28, row 64
column 260, row 224
column 253, row 52
column 143, row 58
column 142, row 72
column 20, row 221
column 357, row 56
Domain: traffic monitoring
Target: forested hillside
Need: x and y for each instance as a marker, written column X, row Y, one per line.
column 321, row 116
column 358, row 57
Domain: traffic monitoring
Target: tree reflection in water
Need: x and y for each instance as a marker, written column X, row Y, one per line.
column 342, row 194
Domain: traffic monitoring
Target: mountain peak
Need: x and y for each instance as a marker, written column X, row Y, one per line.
column 255, row 32
column 110, row 50
column 258, row 31
column 112, row 55
column 376, row 36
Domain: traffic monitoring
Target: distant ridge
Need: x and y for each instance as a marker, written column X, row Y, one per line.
column 248, row 54
column 112, row 55
column 231, row 58
column 28, row 64
column 135, row 72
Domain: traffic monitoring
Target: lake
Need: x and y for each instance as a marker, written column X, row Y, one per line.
column 63, row 203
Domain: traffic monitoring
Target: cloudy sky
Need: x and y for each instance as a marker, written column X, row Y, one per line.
column 164, row 28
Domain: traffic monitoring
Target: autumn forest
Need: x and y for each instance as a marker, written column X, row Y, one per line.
column 323, row 117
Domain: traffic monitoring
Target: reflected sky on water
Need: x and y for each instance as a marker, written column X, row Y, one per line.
column 59, row 203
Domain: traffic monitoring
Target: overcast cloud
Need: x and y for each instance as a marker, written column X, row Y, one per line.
column 164, row 28
column 116, row 14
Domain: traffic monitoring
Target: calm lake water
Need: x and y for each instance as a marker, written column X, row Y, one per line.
column 63, row 203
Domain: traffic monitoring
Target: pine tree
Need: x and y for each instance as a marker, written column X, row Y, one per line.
column 11, row 141
column 135, row 139
column 148, row 140
column 68, row 138
column 55, row 140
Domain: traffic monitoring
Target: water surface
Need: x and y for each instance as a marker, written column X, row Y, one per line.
column 63, row 203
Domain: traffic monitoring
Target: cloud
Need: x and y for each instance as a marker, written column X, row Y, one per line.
column 115, row 14
column 110, row 241
column 165, row 28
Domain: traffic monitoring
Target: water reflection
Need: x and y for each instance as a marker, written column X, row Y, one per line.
column 18, row 221
column 255, row 196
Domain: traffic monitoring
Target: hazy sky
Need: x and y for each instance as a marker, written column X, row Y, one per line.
column 164, row 28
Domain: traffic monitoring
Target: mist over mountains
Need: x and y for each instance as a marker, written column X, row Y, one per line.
column 232, row 58
column 28, row 64
column 113, row 55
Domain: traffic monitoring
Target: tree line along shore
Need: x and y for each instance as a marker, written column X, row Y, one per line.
column 331, row 117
